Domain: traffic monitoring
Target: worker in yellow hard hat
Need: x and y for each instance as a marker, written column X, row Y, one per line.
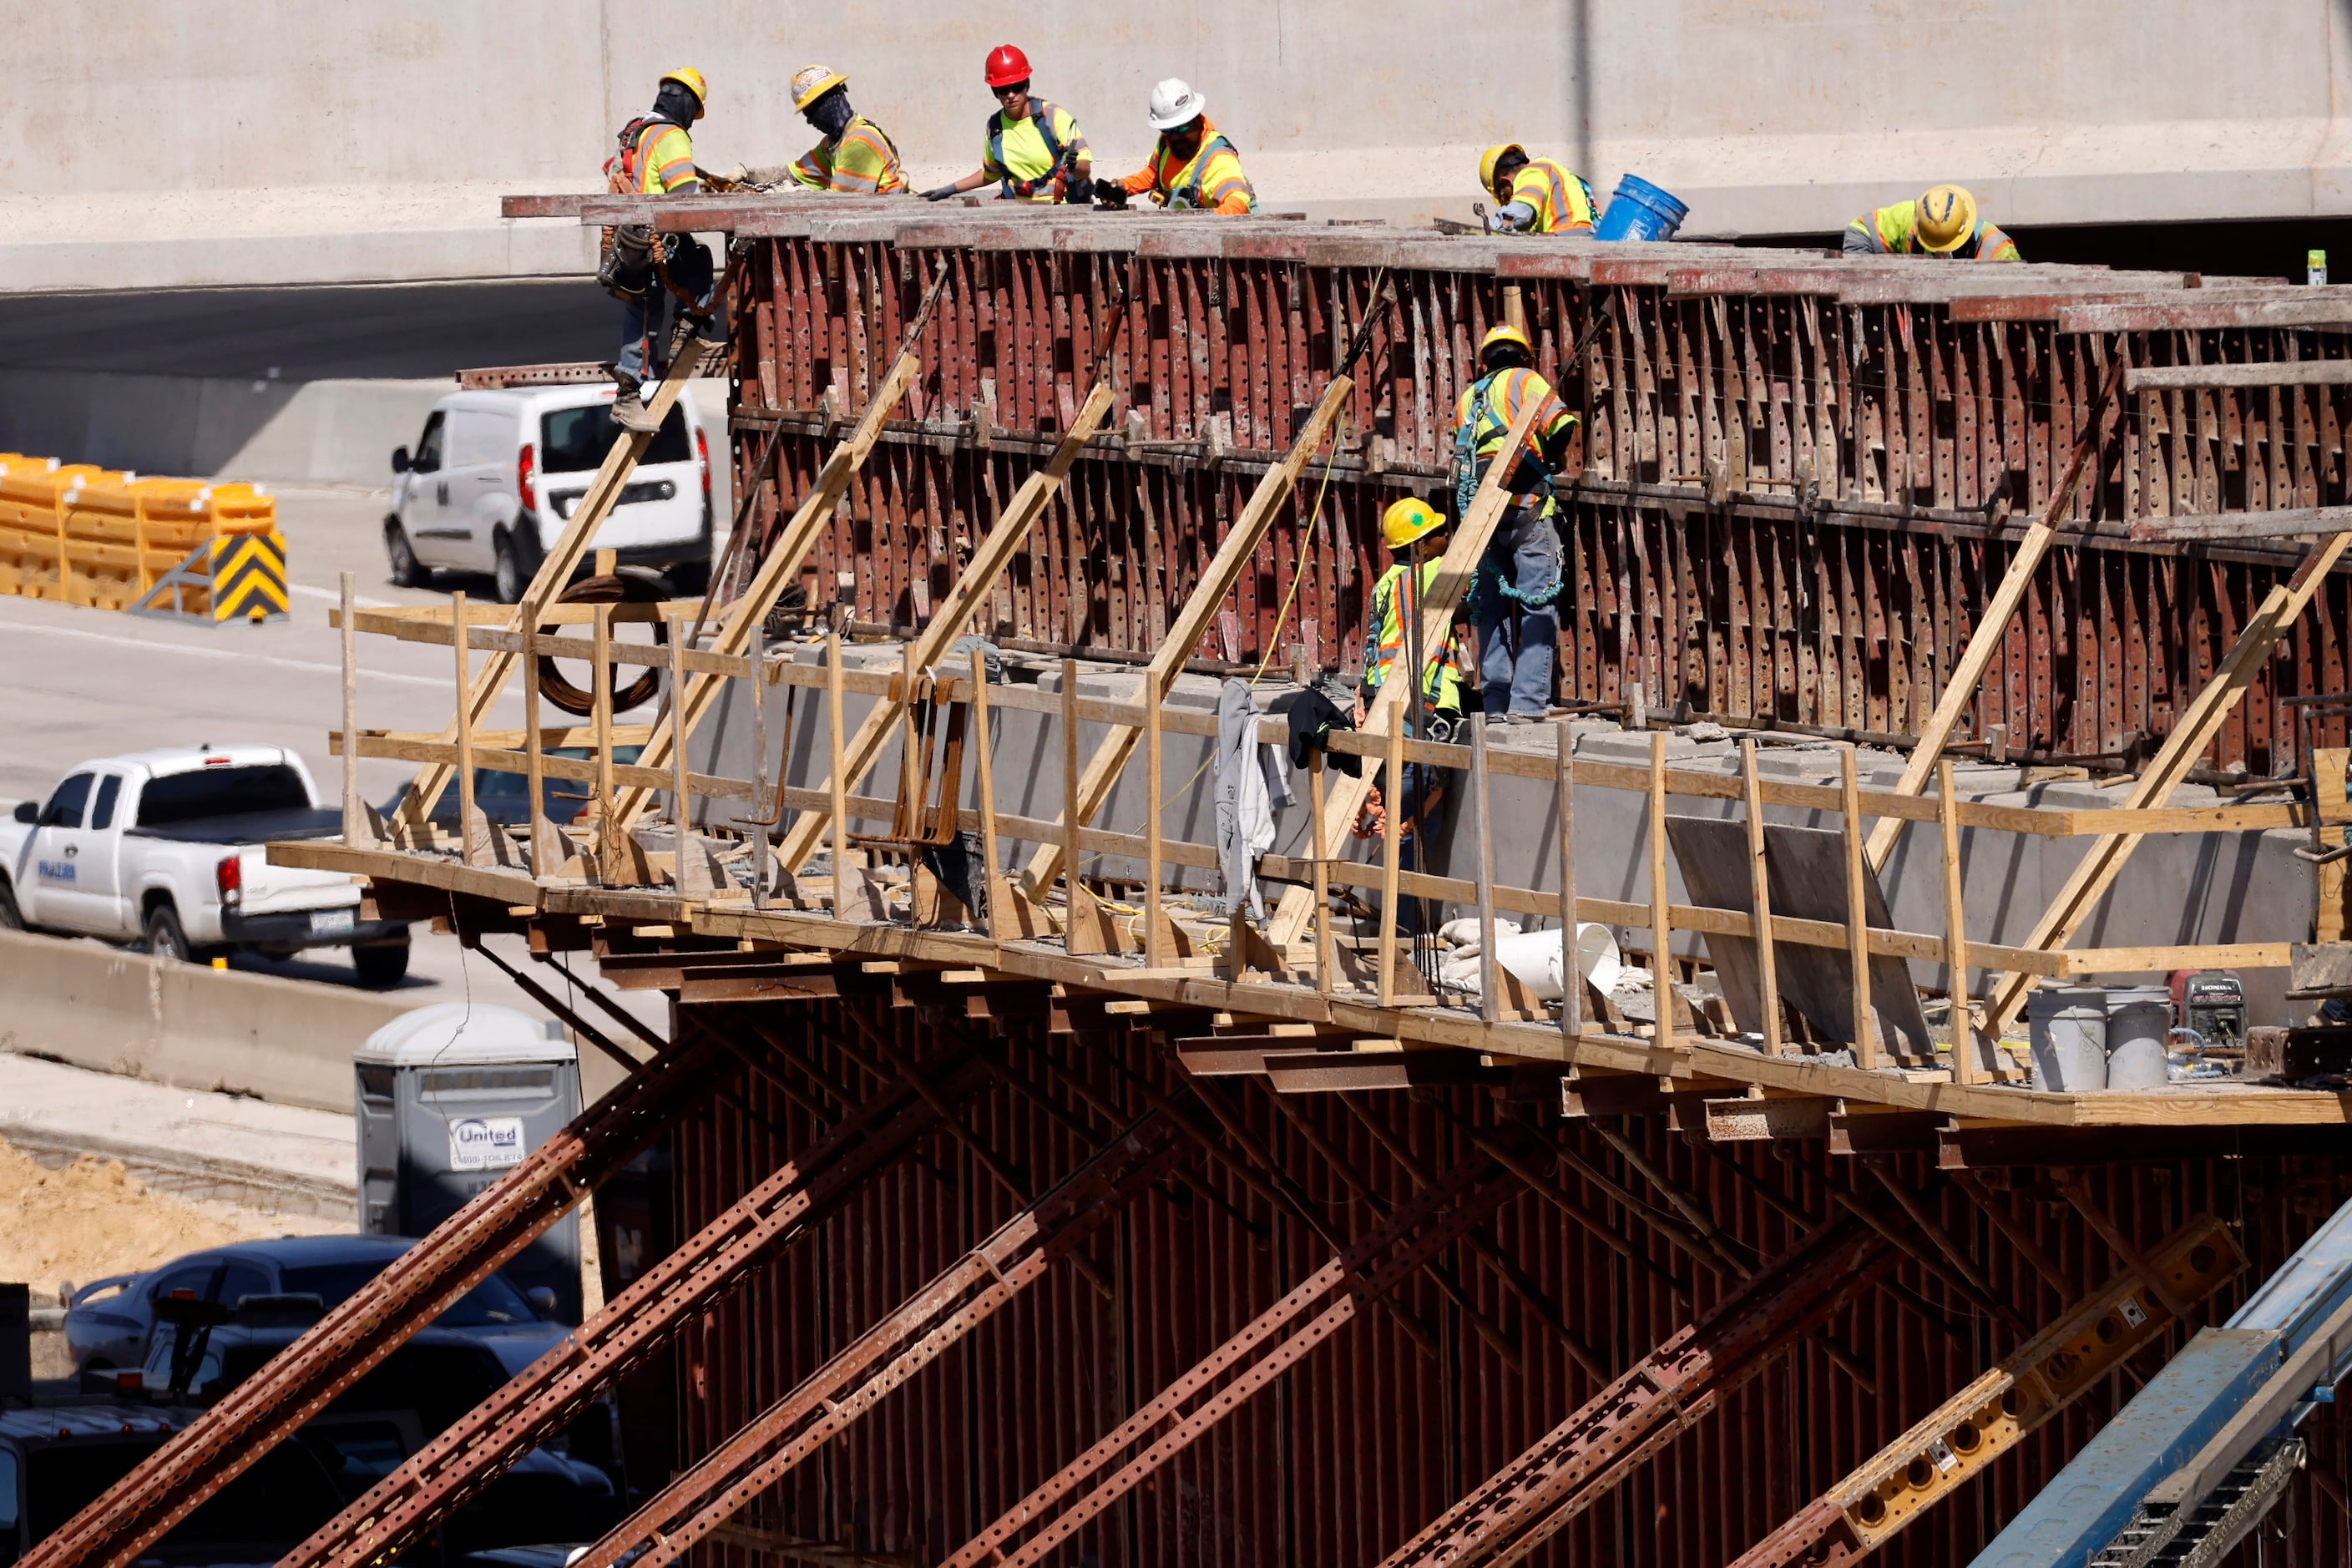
column 1417, row 534
column 1519, row 576
column 856, row 156
column 1943, row 223
column 653, row 274
column 1532, row 196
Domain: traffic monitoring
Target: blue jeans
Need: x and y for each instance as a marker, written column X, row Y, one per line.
column 646, row 320
column 1516, row 640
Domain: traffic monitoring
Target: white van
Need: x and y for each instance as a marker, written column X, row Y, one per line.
column 496, row 475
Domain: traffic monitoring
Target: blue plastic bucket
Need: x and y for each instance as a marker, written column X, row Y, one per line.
column 1640, row 211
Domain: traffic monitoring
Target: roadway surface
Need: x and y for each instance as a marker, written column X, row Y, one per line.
column 92, row 683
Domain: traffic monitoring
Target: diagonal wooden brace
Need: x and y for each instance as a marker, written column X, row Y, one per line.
column 776, row 572
column 555, row 571
column 979, row 575
column 2097, row 870
column 1992, row 627
column 1192, row 623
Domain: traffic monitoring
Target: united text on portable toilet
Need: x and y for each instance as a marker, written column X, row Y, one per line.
column 450, row 1098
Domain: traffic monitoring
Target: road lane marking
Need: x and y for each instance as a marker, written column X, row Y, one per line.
column 150, row 645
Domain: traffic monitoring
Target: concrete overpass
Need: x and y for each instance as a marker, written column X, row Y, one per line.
column 158, row 148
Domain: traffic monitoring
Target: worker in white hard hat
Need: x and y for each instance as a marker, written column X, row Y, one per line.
column 1943, row 223
column 1193, row 167
column 656, row 275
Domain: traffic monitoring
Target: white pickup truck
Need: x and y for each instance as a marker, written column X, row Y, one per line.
column 167, row 847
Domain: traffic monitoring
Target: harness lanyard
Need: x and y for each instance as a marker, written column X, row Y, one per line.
column 1044, row 119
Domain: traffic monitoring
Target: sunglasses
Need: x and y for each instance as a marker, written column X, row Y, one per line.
column 1016, row 90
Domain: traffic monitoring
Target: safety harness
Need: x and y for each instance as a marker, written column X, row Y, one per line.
column 1042, row 116
column 1465, row 487
column 1189, row 195
column 632, row 261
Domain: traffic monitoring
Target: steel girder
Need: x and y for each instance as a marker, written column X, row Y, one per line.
column 300, row 1381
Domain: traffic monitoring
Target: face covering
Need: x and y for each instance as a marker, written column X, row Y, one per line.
column 831, row 114
column 676, row 104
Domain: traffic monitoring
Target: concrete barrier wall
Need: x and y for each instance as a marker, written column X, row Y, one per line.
column 2176, row 889
column 309, row 143
column 116, row 1011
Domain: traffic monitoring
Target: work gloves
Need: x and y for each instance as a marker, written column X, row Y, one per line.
column 941, row 193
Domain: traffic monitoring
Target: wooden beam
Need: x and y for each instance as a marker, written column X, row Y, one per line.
column 2096, row 871
column 604, row 493
column 1200, row 612
column 2216, row 377
column 2285, row 524
column 978, row 578
column 1759, row 895
column 782, row 565
column 1992, row 627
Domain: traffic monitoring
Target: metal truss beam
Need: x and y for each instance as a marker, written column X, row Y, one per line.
column 952, row 1306
column 356, row 1337
column 1436, row 1218
column 1962, row 1437
column 400, row 1510
column 1580, row 1460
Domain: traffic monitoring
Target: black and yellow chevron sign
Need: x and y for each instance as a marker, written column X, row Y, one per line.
column 249, row 576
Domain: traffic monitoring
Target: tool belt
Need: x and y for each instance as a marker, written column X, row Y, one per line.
column 627, row 270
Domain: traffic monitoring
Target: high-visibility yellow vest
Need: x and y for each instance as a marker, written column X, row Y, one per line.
column 1021, row 155
column 1211, row 179
column 1895, row 231
column 664, row 158
column 1490, row 405
column 1396, row 598
column 1560, row 200
column 863, row 162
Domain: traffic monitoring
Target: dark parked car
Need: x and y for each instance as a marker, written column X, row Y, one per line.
column 505, row 798
column 203, row 1322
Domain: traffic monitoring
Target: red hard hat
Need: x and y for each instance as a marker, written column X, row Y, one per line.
column 1007, row 65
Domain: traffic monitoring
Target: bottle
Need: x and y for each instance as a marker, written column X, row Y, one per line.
column 2316, row 269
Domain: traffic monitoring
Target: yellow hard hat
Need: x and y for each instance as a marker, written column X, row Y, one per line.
column 1491, row 156
column 1506, row 333
column 1409, row 519
column 691, row 79
column 1947, row 218
column 812, row 82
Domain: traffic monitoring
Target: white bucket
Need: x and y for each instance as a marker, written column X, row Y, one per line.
column 1534, row 957
column 2068, row 1027
column 2139, row 1027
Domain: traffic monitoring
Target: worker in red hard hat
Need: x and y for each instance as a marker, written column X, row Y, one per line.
column 1033, row 148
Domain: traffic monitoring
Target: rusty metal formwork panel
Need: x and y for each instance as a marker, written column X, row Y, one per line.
column 1801, row 475
column 1368, row 1438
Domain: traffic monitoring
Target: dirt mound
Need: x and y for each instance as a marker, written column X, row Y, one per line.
column 93, row 1218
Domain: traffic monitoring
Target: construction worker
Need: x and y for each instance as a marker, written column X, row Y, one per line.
column 1943, row 223
column 1034, row 150
column 1519, row 576
column 1193, row 167
column 1417, row 534
column 1534, row 196
column 653, row 273
column 856, row 155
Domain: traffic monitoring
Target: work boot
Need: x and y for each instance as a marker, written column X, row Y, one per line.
column 629, row 403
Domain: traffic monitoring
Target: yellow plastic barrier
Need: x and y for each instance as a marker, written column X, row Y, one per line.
column 93, row 536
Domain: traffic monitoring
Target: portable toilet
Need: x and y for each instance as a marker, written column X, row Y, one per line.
column 451, row 1098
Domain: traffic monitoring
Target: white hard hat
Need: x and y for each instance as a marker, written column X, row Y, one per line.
column 1174, row 103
